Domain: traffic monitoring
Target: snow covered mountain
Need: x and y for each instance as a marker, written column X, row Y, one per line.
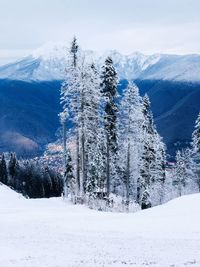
column 30, row 90
column 48, row 63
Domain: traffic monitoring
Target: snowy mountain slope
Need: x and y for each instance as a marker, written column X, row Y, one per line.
column 50, row 232
column 48, row 63
column 174, row 68
column 30, row 89
column 130, row 66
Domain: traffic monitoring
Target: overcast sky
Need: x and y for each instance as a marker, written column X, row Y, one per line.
column 149, row 26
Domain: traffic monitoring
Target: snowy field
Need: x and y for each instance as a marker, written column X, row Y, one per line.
column 53, row 233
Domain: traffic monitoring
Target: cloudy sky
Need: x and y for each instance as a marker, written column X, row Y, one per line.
column 149, row 26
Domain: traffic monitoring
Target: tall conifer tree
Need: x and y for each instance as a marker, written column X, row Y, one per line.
column 109, row 91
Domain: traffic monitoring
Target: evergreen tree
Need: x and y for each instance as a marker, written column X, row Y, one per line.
column 131, row 118
column 148, row 152
column 158, row 172
column 92, row 130
column 180, row 172
column 196, row 136
column 28, row 183
column 196, row 152
column 69, row 175
column 47, row 182
column 153, row 158
column 70, row 100
column 109, row 90
column 3, row 170
column 13, row 168
column 145, row 201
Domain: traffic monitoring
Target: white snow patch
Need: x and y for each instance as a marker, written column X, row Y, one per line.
column 54, row 233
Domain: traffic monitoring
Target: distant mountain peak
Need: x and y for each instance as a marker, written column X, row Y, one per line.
column 50, row 50
column 48, row 63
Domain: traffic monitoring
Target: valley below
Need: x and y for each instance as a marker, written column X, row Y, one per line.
column 29, row 113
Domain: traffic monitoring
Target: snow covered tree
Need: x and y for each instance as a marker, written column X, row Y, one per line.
column 160, row 158
column 130, row 140
column 196, row 136
column 92, row 129
column 3, row 170
column 80, row 97
column 153, row 158
column 115, row 153
column 12, row 164
column 191, row 157
column 145, row 201
column 13, row 169
column 192, row 166
column 69, row 176
column 47, row 182
column 70, row 100
column 97, row 167
column 157, row 169
column 109, row 91
column 180, row 172
column 148, row 152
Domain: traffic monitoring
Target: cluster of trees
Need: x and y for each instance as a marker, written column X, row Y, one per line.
column 30, row 178
column 187, row 168
column 113, row 146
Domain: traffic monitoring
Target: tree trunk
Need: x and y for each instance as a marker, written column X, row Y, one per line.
column 65, row 182
column 77, row 164
column 107, row 167
column 138, row 190
column 179, row 189
column 82, row 182
column 128, row 177
column 82, row 139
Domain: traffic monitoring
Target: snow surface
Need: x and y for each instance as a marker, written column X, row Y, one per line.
column 54, row 233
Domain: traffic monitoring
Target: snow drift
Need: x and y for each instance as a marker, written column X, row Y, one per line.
column 51, row 232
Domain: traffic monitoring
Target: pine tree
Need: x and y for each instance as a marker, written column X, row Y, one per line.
column 28, row 179
column 92, row 129
column 109, row 90
column 181, row 172
column 160, row 158
column 47, row 182
column 158, row 172
column 195, row 157
column 3, row 171
column 148, row 152
column 13, row 168
column 70, row 100
column 196, row 136
column 153, row 158
column 131, row 118
column 145, row 201
column 69, row 175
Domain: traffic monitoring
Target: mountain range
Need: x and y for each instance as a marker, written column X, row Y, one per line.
column 48, row 63
column 29, row 90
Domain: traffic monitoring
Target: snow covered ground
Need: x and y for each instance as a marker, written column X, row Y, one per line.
column 53, row 233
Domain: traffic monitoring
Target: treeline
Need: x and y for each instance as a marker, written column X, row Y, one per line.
column 187, row 168
column 30, row 178
column 115, row 147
